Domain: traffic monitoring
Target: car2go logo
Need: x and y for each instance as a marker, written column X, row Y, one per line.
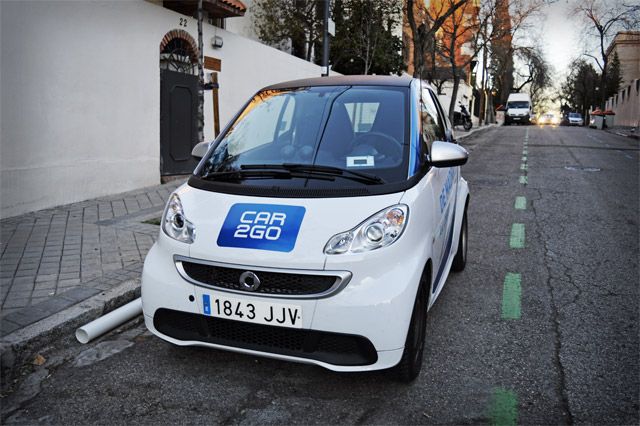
column 261, row 226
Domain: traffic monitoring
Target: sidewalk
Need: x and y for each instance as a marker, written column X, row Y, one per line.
column 55, row 258
column 462, row 134
column 627, row 131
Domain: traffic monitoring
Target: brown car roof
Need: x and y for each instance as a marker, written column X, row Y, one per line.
column 346, row 80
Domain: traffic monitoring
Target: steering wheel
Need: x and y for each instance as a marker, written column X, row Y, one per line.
column 386, row 146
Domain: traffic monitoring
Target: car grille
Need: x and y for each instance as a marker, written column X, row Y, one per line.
column 276, row 283
column 332, row 348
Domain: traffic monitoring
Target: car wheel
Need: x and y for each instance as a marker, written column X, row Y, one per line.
column 411, row 362
column 460, row 259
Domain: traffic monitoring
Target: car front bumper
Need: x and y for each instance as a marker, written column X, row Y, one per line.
column 361, row 326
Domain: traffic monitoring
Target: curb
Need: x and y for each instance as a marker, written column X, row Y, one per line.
column 476, row 130
column 20, row 346
column 627, row 135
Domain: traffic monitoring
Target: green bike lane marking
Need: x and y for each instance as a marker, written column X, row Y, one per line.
column 503, row 408
column 516, row 240
column 511, row 294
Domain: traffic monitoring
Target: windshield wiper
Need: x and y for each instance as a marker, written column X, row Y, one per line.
column 248, row 174
column 317, row 171
column 262, row 173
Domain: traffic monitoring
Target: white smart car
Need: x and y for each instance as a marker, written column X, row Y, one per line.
column 319, row 227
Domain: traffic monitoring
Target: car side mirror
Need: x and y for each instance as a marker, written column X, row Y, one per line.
column 446, row 154
column 200, row 150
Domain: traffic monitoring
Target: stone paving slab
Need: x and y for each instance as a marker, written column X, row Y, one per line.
column 55, row 257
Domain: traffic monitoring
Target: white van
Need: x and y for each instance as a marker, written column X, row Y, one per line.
column 519, row 109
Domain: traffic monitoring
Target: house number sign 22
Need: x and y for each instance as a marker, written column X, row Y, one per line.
column 183, row 22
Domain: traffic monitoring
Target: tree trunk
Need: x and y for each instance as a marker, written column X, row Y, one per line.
column 415, row 37
column 483, row 88
column 454, row 93
column 454, row 71
column 603, row 76
column 432, row 49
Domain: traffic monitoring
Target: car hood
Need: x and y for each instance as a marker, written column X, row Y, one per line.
column 224, row 223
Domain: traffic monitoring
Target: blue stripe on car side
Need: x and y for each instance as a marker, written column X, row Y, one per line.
column 446, row 253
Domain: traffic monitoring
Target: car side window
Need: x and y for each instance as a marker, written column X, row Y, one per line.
column 432, row 125
column 446, row 124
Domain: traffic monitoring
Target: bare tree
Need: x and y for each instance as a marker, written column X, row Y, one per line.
column 475, row 29
column 535, row 72
column 459, row 32
column 502, row 41
column 603, row 20
column 288, row 23
column 423, row 32
column 370, row 30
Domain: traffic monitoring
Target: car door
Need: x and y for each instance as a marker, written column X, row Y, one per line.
column 434, row 127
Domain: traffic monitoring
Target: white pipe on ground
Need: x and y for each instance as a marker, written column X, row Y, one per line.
column 107, row 322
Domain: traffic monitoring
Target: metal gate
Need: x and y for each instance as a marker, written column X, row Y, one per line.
column 178, row 122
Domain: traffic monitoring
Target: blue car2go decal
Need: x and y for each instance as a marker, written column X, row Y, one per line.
column 261, row 226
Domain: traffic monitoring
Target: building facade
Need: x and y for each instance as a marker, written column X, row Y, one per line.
column 97, row 97
column 626, row 103
column 627, row 45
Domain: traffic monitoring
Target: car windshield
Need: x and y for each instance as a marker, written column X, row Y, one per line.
column 574, row 115
column 518, row 104
column 325, row 136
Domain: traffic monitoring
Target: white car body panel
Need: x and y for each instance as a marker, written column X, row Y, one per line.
column 373, row 304
column 377, row 301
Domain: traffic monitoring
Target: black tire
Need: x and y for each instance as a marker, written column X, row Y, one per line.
column 467, row 125
column 411, row 362
column 460, row 260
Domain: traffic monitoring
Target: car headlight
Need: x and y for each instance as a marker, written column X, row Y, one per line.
column 174, row 222
column 380, row 230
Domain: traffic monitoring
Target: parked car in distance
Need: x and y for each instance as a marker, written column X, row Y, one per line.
column 519, row 109
column 575, row 119
column 319, row 227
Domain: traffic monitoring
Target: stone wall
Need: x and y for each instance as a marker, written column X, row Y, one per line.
column 80, row 88
column 626, row 105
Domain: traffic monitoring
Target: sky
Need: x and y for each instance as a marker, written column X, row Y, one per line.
column 561, row 36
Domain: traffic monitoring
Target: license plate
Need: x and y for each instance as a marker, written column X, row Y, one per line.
column 255, row 311
column 516, row 118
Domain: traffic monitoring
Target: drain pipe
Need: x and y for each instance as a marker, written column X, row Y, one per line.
column 107, row 322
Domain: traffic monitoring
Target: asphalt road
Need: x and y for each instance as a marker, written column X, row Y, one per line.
column 564, row 352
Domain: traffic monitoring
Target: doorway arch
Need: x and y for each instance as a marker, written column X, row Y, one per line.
column 178, row 102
